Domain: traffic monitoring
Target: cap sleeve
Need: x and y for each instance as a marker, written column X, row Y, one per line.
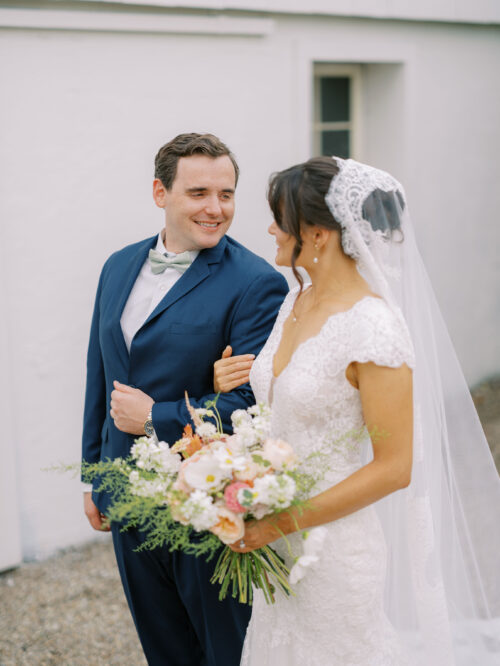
column 380, row 335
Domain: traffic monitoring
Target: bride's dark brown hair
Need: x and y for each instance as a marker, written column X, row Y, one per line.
column 297, row 199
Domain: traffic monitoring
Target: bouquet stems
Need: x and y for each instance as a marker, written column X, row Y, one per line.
column 261, row 568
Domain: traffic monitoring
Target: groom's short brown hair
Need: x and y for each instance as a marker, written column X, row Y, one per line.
column 185, row 145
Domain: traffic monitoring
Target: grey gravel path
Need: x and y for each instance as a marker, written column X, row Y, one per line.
column 70, row 609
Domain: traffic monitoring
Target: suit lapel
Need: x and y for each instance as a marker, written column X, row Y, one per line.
column 197, row 272
column 127, row 278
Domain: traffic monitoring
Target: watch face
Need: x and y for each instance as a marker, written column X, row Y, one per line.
column 148, row 428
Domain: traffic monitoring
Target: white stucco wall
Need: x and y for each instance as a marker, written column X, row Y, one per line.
column 481, row 11
column 84, row 115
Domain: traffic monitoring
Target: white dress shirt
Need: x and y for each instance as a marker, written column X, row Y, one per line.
column 148, row 290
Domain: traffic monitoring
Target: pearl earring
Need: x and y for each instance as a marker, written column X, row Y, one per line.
column 315, row 260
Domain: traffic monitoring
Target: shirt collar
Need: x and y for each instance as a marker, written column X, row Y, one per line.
column 160, row 247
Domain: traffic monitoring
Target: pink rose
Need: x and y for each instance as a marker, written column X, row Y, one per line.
column 231, row 496
column 230, row 526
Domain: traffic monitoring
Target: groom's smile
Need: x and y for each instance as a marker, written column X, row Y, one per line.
column 208, row 225
column 199, row 207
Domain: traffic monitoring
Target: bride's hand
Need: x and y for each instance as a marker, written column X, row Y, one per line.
column 258, row 533
column 231, row 371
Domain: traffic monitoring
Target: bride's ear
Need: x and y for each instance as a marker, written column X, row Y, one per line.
column 319, row 237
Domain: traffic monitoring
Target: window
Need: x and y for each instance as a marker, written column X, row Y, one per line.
column 336, row 104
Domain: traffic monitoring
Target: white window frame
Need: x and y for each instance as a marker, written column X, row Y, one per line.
column 354, row 73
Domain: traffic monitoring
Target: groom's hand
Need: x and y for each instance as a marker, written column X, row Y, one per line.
column 97, row 519
column 130, row 408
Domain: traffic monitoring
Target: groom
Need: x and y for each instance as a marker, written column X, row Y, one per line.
column 166, row 307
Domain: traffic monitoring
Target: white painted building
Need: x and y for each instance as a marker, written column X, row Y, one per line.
column 90, row 90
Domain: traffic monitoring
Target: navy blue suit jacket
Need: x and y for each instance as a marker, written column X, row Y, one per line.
column 228, row 296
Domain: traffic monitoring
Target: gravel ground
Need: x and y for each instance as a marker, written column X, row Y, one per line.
column 70, row 609
column 487, row 400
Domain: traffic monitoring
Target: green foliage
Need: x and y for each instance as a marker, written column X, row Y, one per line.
column 149, row 512
column 143, row 513
column 236, row 573
column 260, row 460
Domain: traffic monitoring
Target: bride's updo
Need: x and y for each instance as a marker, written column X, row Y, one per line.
column 297, row 199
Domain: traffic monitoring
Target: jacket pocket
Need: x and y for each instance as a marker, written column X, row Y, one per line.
column 179, row 328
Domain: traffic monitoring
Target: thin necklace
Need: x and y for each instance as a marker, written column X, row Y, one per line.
column 296, row 317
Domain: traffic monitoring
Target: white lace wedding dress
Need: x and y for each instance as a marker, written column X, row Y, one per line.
column 336, row 616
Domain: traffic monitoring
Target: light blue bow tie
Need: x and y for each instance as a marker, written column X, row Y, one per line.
column 159, row 262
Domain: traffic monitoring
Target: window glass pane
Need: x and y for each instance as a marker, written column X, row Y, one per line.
column 334, row 91
column 335, row 142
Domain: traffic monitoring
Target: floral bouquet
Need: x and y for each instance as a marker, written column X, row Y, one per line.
column 210, row 483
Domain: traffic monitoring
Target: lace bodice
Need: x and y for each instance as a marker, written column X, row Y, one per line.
column 314, row 406
column 336, row 616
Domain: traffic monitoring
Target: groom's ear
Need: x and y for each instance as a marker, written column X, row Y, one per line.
column 159, row 193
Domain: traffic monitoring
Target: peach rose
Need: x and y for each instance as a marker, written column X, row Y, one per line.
column 181, row 483
column 279, row 453
column 230, row 526
column 251, row 471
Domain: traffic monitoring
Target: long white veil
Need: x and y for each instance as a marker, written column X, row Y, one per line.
column 443, row 531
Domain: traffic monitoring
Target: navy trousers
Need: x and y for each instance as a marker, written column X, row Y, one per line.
column 176, row 610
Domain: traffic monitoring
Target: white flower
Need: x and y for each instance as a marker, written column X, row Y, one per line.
column 251, row 430
column 201, row 411
column 275, row 491
column 251, row 471
column 246, row 435
column 313, row 543
column 235, row 444
column 226, row 458
column 259, row 409
column 141, row 449
column 167, row 462
column 240, row 417
column 262, row 410
column 206, row 429
column 204, row 473
column 261, row 427
column 279, row 453
column 260, row 510
column 155, row 456
column 251, row 501
column 200, row 511
column 146, row 487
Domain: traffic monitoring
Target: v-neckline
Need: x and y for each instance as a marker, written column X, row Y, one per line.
column 275, row 377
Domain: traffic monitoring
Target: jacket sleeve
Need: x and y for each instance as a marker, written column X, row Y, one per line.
column 248, row 329
column 95, row 393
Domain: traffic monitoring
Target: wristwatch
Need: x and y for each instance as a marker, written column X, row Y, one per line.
column 148, row 424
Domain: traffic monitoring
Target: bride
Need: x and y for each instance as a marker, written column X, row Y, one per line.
column 359, row 369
